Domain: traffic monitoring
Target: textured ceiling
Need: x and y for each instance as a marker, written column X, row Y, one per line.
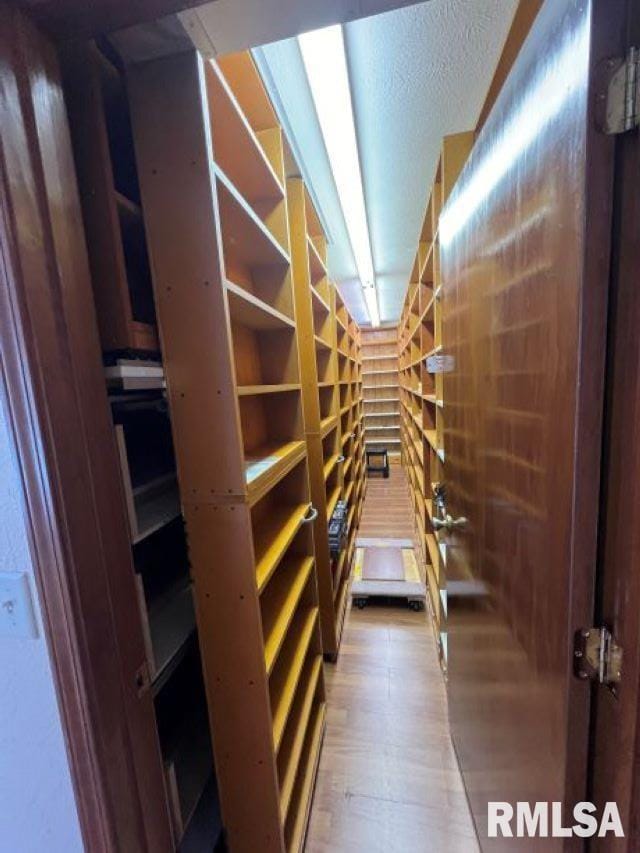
column 225, row 26
column 417, row 73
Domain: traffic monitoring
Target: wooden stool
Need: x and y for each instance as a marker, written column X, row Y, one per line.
column 374, row 467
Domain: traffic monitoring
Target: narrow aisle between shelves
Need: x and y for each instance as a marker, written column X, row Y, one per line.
column 388, row 779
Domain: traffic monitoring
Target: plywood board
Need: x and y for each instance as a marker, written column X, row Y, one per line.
column 383, row 564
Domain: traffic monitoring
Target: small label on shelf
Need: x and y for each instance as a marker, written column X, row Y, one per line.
column 440, row 363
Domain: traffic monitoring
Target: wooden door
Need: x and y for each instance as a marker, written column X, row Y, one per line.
column 524, row 242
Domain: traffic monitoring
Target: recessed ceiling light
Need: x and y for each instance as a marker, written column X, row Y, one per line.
column 325, row 63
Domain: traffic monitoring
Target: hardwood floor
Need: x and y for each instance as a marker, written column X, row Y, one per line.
column 388, row 778
column 387, row 507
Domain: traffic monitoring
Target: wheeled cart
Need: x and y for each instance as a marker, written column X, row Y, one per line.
column 387, row 568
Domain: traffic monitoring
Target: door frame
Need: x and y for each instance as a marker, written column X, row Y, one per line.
column 52, row 387
column 615, row 726
column 606, row 40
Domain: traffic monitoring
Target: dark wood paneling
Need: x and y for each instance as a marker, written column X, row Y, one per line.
column 616, row 749
column 616, row 758
column 57, row 406
column 525, row 240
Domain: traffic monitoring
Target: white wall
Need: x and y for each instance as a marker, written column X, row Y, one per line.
column 37, row 806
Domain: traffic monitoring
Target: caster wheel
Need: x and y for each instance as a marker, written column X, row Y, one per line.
column 360, row 603
column 416, row 606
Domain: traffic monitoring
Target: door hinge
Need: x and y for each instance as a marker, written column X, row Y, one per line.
column 621, row 95
column 597, row 656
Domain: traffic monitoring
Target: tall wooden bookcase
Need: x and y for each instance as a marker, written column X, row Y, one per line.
column 351, row 431
column 259, row 463
column 330, row 394
column 157, row 573
column 234, row 377
column 381, row 389
column 423, row 408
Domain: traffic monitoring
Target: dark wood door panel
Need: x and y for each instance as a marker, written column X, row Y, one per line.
column 616, row 744
column 524, row 267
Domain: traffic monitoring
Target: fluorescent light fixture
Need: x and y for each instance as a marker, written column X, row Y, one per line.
column 371, row 299
column 325, row 63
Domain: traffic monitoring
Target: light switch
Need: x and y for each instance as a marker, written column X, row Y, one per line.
column 17, row 616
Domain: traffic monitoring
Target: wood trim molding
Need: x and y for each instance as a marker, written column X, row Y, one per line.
column 52, row 386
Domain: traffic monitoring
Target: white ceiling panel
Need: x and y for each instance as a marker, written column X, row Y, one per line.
column 230, row 25
column 417, row 73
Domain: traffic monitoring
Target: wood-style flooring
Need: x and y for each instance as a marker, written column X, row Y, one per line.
column 387, row 509
column 388, row 780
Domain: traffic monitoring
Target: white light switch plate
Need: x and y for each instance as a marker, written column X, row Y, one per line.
column 17, row 616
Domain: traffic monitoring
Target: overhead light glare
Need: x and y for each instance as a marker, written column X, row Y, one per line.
column 371, row 299
column 325, row 64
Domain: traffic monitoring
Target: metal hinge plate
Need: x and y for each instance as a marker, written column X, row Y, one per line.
column 621, row 97
column 597, row 656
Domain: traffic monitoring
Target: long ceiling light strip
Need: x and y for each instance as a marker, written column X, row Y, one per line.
column 325, row 63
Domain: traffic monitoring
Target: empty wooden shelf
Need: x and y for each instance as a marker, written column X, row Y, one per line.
column 290, row 751
column 298, row 812
column 152, row 505
column 265, row 465
column 331, row 393
column 216, row 222
column 381, row 389
column 241, row 156
column 147, row 466
column 274, row 527
column 186, row 744
column 246, row 239
column 170, row 623
column 180, row 762
column 279, row 603
column 249, row 310
column 96, row 99
column 299, row 647
column 421, row 392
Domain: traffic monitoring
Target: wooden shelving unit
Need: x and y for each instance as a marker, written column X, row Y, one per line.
column 351, row 439
column 96, row 96
column 233, row 369
column 266, row 438
column 381, row 389
column 331, row 393
column 422, row 391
